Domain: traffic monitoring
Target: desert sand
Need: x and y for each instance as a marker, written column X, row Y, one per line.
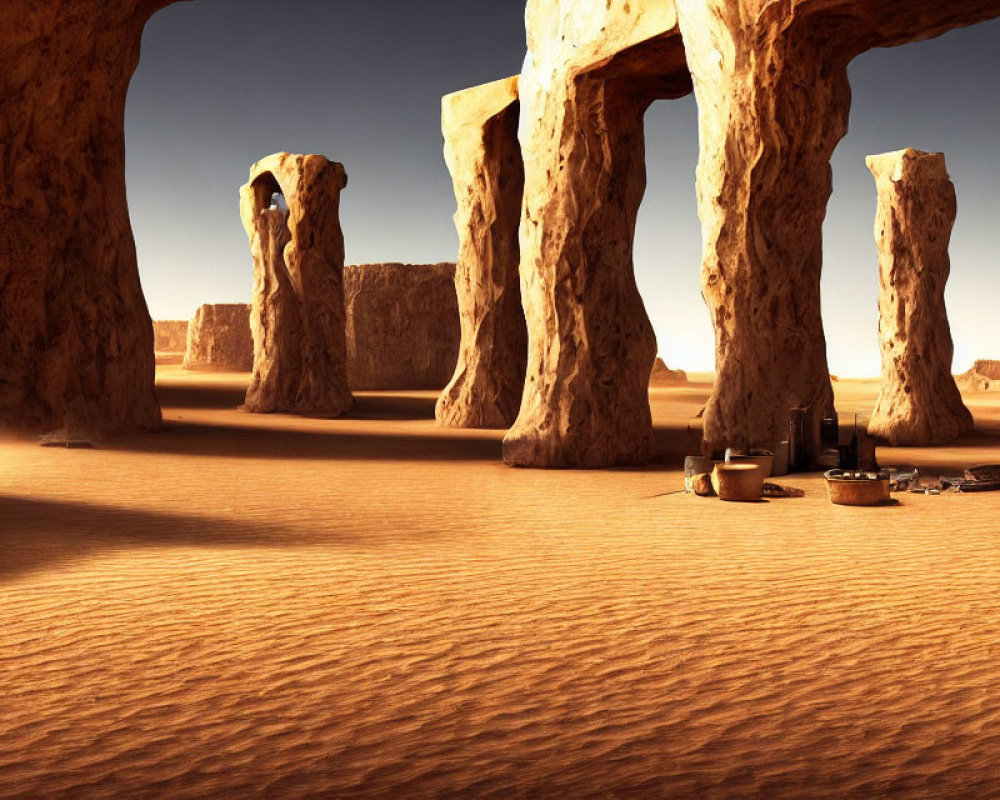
column 283, row 607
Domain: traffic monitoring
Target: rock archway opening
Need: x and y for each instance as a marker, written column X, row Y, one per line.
column 891, row 90
column 667, row 247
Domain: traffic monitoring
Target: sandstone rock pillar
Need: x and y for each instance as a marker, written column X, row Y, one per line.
column 919, row 403
column 484, row 158
column 297, row 314
column 773, row 101
column 76, row 340
column 593, row 67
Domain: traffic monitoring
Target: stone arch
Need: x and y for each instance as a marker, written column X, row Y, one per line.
column 773, row 100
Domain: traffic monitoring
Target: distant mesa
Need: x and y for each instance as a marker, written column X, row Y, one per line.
column 170, row 336
column 403, row 329
column 219, row 338
column 662, row 375
column 984, row 374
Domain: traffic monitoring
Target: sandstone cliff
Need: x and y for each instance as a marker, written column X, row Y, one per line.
column 219, row 337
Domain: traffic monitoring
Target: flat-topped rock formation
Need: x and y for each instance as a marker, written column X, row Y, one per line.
column 919, row 403
column 219, row 338
column 662, row 375
column 983, row 375
column 773, row 102
column 402, row 325
column 291, row 212
column 592, row 69
column 484, row 158
column 170, row 336
column 75, row 338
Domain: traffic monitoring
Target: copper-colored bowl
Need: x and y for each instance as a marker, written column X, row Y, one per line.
column 849, row 488
column 740, row 482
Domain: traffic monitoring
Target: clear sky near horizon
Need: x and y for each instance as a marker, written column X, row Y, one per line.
column 223, row 83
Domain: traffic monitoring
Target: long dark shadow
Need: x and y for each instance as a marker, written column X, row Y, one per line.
column 386, row 406
column 36, row 534
column 335, row 443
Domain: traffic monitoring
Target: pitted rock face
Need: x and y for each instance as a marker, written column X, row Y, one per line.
column 593, row 67
column 919, row 403
column 75, row 336
column 773, row 101
column 219, row 338
column 402, row 325
column 291, row 212
column 484, row 158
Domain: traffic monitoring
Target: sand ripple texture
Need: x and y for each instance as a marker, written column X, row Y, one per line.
column 272, row 607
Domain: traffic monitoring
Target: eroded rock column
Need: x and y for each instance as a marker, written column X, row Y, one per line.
column 919, row 403
column 593, row 68
column 76, row 340
column 773, row 101
column 484, row 158
column 291, row 211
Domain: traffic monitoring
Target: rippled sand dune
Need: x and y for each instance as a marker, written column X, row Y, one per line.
column 268, row 606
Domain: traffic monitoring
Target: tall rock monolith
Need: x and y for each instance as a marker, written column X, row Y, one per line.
column 919, row 403
column 291, row 212
column 593, row 68
column 484, row 158
column 76, row 340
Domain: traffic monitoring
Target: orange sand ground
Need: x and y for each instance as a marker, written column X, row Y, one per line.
column 267, row 606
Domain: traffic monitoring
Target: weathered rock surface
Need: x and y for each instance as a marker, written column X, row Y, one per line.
column 773, row 101
column 402, row 325
column 219, row 338
column 919, row 403
column 983, row 375
column 662, row 375
column 297, row 316
column 170, row 336
column 593, row 68
column 484, row 158
column 76, row 343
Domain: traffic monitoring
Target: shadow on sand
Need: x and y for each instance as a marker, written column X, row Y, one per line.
column 37, row 534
